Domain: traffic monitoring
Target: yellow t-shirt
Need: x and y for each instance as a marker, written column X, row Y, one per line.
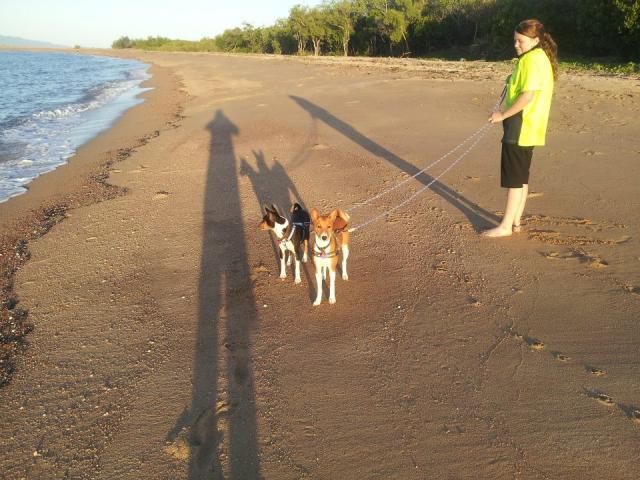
column 533, row 72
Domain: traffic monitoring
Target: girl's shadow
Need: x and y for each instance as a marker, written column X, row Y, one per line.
column 478, row 216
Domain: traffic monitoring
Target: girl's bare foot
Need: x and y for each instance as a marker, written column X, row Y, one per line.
column 497, row 232
column 517, row 228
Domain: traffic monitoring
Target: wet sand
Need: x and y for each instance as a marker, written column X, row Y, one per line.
column 165, row 345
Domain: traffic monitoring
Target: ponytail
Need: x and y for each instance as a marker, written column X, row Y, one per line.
column 551, row 49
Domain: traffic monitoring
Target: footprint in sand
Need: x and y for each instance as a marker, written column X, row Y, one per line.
column 597, row 263
column 598, row 372
column 161, row 194
column 261, row 268
column 179, row 449
column 555, row 256
column 593, row 261
column 532, row 343
column 474, row 302
column 603, row 398
column 535, row 344
column 592, row 153
column 561, row 357
column 441, row 267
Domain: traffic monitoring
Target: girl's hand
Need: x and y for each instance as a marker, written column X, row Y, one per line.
column 496, row 117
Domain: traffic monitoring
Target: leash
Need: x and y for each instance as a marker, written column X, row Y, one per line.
column 478, row 135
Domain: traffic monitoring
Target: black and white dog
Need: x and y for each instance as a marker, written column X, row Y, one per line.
column 293, row 236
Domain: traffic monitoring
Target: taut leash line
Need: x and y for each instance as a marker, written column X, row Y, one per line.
column 478, row 135
column 418, row 192
column 399, row 184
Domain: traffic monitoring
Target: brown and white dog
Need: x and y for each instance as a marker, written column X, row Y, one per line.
column 331, row 240
column 293, row 236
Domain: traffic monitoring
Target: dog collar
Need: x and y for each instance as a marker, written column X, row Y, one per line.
column 322, row 253
column 325, row 254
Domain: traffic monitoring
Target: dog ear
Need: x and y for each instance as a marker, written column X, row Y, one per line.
column 275, row 209
column 333, row 215
column 294, row 208
column 314, row 214
column 267, row 209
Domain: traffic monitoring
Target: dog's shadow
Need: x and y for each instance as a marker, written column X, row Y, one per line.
column 272, row 185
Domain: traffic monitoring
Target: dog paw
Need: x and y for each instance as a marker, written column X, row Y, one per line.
column 297, row 280
column 332, row 300
column 345, row 276
column 316, row 303
column 283, row 275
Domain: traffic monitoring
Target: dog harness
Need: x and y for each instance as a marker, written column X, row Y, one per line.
column 294, row 225
column 324, row 254
column 323, row 251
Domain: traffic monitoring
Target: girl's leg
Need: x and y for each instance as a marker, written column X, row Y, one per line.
column 514, row 201
column 518, row 219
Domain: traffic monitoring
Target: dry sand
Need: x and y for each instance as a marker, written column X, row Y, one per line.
column 165, row 345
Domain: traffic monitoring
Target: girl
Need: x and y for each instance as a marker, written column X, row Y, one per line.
column 528, row 100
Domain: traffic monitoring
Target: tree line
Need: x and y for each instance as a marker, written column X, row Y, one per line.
column 470, row 28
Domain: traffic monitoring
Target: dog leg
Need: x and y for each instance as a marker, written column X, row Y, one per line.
column 345, row 255
column 318, row 286
column 297, row 271
column 288, row 257
column 305, row 247
column 283, row 269
column 332, row 286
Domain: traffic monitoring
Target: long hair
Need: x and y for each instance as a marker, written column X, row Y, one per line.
column 534, row 29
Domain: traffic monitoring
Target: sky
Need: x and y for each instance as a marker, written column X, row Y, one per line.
column 97, row 23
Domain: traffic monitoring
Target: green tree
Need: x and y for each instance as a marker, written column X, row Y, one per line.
column 631, row 11
column 340, row 15
column 299, row 25
column 122, row 42
column 317, row 21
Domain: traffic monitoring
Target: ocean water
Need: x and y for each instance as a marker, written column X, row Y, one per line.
column 51, row 103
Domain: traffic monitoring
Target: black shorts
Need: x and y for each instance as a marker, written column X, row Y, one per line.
column 514, row 165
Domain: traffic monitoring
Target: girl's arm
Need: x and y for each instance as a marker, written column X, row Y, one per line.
column 521, row 102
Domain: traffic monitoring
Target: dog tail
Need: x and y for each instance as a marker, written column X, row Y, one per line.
column 344, row 215
column 341, row 222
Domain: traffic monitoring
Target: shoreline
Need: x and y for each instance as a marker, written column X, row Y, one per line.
column 82, row 181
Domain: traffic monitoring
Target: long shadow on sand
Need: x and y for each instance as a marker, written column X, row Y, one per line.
column 226, row 307
column 478, row 217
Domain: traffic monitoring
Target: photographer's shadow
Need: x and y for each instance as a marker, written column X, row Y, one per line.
column 221, row 419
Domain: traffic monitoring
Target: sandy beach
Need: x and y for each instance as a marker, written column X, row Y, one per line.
column 165, row 346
